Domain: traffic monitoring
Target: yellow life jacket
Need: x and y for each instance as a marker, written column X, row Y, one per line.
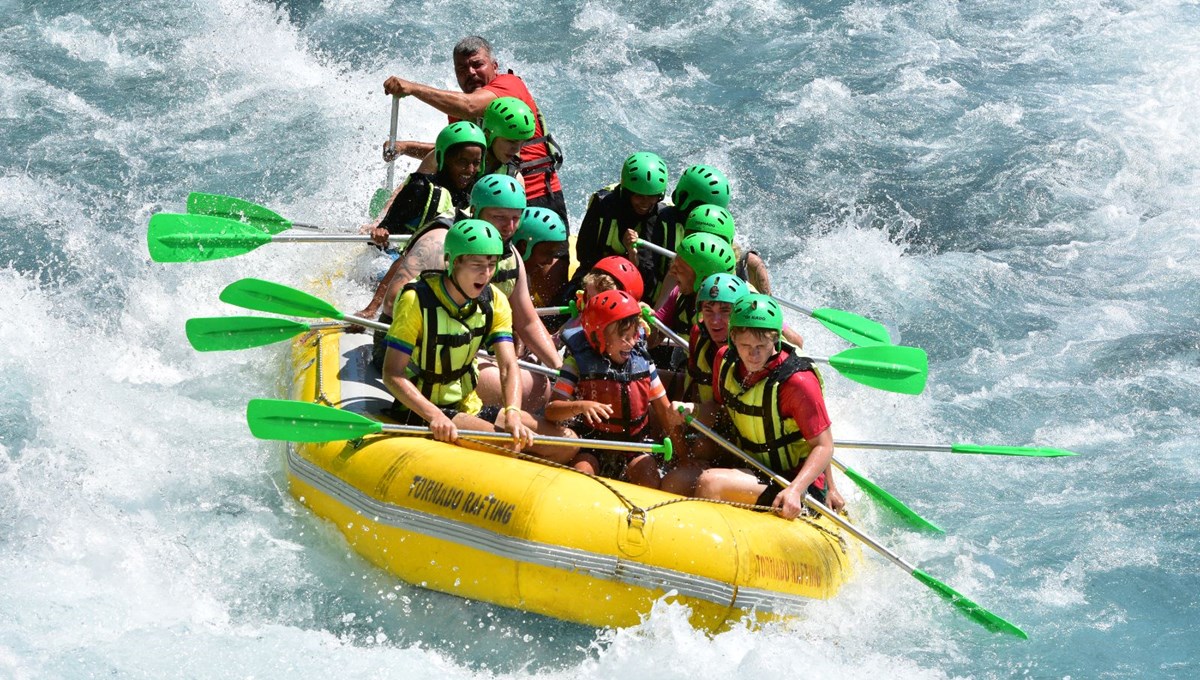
column 443, row 362
column 762, row 430
column 507, row 270
column 697, row 384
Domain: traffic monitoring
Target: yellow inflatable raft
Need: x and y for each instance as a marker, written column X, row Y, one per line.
column 543, row 539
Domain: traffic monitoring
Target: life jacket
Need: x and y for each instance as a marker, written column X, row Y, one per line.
column 668, row 233
column 762, row 430
column 507, row 271
column 742, row 270
column 697, row 385
column 443, row 362
column 626, row 388
column 545, row 166
column 437, row 200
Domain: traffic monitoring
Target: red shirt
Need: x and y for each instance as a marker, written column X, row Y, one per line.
column 800, row 397
column 509, row 85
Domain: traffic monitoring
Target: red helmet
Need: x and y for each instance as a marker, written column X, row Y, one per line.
column 605, row 308
column 627, row 275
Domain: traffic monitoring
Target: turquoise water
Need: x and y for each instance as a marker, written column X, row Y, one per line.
column 1011, row 186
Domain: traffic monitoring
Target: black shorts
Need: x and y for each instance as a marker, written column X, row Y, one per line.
column 404, row 416
column 773, row 489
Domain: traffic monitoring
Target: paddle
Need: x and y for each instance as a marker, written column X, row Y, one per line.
column 216, row 205
column 858, row 330
column 570, row 309
column 379, row 199
column 274, row 298
column 887, row 500
column 220, row 333
column 298, row 421
column 960, row 602
column 201, row 238
column 872, row 489
column 1032, row 452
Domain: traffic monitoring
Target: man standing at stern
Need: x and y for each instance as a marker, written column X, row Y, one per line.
column 479, row 77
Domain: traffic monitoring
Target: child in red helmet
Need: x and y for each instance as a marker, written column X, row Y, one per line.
column 610, row 273
column 608, row 381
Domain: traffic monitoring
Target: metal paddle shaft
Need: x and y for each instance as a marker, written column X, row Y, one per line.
column 391, row 166
column 962, row 603
column 537, row 439
column 300, row 421
column 1027, row 451
column 664, row 329
column 857, row 330
column 275, row 298
column 656, row 249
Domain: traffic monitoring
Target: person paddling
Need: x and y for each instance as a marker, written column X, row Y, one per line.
column 441, row 320
column 458, row 155
column 479, row 78
column 772, row 396
column 609, row 384
column 500, row 201
column 620, row 214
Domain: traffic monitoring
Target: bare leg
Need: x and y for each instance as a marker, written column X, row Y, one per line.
column 643, row 471
column 535, row 389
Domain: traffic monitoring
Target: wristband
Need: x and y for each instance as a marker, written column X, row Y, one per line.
column 511, row 408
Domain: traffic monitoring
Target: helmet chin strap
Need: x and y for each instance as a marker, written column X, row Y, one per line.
column 454, row 282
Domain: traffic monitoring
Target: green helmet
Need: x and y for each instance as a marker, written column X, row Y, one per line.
column 710, row 219
column 539, row 225
column 461, row 132
column 644, row 174
column 707, row 254
column 510, row 118
column 755, row 310
column 471, row 237
column 700, row 184
column 720, row 288
column 497, row 191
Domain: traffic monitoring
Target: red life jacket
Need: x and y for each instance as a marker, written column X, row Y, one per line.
column 626, row 388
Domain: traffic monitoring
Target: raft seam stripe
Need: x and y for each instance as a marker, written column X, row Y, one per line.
column 604, row 567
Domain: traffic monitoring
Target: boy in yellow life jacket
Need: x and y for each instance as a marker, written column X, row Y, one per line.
column 439, row 322
column 773, row 399
column 609, row 382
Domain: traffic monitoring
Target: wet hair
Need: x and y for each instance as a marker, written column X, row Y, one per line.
column 470, row 45
column 758, row 333
column 627, row 324
column 601, row 281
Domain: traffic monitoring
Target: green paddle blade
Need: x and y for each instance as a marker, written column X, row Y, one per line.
column 987, row 619
column 214, row 334
column 856, row 329
column 1037, row 452
column 265, row 296
column 298, row 421
column 200, row 238
column 893, row 368
column 378, row 201
column 891, row 502
column 216, row 205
